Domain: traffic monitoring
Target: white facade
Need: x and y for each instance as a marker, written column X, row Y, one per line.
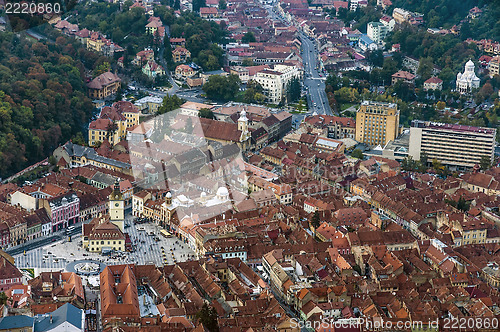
column 467, row 80
column 377, row 31
column 46, row 229
column 457, row 146
column 274, row 81
column 25, row 201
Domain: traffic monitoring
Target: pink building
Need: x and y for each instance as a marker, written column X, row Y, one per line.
column 63, row 210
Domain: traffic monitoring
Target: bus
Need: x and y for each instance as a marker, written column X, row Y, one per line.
column 165, row 233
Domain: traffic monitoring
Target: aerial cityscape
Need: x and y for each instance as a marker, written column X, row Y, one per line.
column 249, row 165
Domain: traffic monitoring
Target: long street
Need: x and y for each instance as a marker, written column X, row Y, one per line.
column 314, row 81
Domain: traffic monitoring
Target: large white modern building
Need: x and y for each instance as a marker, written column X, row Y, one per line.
column 456, row 146
column 377, row 31
column 467, row 80
column 274, row 81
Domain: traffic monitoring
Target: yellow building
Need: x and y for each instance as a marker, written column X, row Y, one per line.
column 105, row 233
column 474, row 233
column 494, row 66
column 113, row 123
column 153, row 25
column 103, row 85
column 95, row 42
column 101, row 235
column 491, row 273
column 180, row 54
column 377, row 122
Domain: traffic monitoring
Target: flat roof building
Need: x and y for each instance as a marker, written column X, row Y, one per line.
column 377, row 123
column 457, row 146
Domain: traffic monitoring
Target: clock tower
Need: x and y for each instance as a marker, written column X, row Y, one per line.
column 117, row 206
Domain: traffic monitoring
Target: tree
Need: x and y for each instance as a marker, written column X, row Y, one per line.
column 119, row 93
column 206, row 113
column 222, row 5
column 253, row 93
column 102, row 68
column 79, row 139
column 208, row 318
column 376, row 58
column 485, row 162
column 408, row 164
column 315, row 221
column 436, row 164
column 170, row 103
column 293, row 90
column 3, row 298
column 247, row 62
column 248, row 37
column 177, row 4
column 462, row 204
column 357, row 153
column 111, row 130
column 52, row 160
column 440, row 105
column 425, row 68
column 197, row 4
column 424, row 158
column 222, row 88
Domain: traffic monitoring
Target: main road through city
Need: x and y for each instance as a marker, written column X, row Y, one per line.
column 314, row 81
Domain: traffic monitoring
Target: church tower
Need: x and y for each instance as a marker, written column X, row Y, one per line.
column 117, row 206
column 243, row 126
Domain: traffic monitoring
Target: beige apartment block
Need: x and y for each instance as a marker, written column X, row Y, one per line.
column 377, row 123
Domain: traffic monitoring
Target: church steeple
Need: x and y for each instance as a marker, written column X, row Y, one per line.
column 243, row 126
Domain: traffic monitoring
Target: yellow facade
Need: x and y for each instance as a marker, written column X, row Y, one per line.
column 105, row 91
column 377, row 123
column 95, row 45
column 97, row 245
column 99, row 135
column 132, row 118
column 474, row 236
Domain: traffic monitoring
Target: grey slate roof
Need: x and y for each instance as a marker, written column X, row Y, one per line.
column 89, row 153
column 67, row 313
column 15, row 322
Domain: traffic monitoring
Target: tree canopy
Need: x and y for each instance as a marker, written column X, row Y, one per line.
column 42, row 99
column 170, row 103
column 222, row 88
column 293, row 90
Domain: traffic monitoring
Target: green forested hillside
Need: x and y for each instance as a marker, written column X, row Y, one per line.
column 438, row 13
column 42, row 99
column 127, row 28
column 446, row 13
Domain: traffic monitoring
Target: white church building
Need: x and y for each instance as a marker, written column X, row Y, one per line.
column 467, row 80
